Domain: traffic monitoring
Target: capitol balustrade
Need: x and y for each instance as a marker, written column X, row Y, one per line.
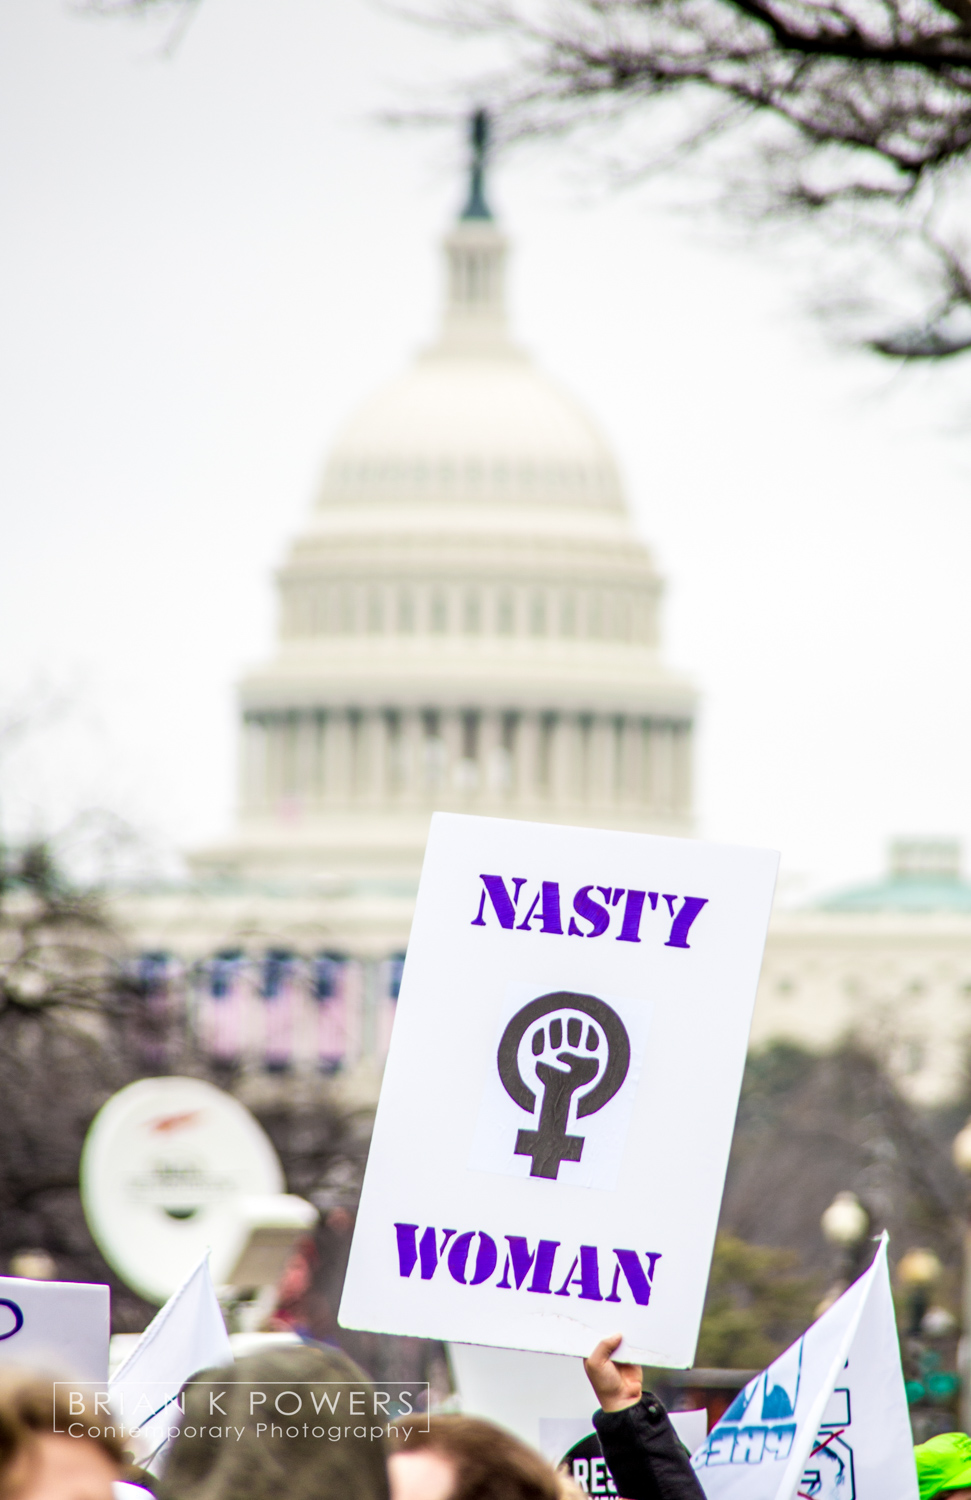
column 312, row 608
column 270, row 1012
column 316, row 759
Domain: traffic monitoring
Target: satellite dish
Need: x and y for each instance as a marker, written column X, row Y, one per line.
column 170, row 1167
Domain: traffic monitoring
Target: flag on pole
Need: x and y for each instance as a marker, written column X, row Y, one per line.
column 187, row 1335
column 828, row 1419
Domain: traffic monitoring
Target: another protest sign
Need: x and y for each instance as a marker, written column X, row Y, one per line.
column 551, row 1139
column 828, row 1419
column 59, row 1326
column 572, row 1443
column 521, row 1391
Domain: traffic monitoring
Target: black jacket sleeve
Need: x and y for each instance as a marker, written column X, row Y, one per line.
column 644, row 1454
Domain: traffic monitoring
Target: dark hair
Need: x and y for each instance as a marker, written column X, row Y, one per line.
column 264, row 1466
column 32, row 1407
column 490, row 1464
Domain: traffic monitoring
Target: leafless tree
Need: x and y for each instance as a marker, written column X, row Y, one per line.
column 858, row 111
column 854, row 110
column 78, row 1021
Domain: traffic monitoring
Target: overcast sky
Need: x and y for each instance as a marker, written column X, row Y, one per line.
column 209, row 258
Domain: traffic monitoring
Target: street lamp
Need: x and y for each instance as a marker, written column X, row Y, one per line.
column 845, row 1224
column 961, row 1153
column 918, row 1270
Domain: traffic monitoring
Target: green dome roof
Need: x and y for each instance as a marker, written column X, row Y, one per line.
column 925, row 876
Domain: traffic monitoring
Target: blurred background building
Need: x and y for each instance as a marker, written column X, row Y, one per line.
column 470, row 621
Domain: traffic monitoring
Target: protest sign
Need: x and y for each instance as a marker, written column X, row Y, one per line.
column 57, row 1326
column 521, row 1391
column 574, row 1445
column 828, row 1420
column 187, row 1335
column 551, row 1139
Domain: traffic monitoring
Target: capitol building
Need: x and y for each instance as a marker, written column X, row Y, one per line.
column 469, row 620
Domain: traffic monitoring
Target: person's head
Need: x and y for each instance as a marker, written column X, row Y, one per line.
column 50, row 1450
column 944, row 1466
column 278, row 1424
column 463, row 1458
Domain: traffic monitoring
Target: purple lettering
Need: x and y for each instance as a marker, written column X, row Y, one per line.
column 564, row 1290
column 543, row 1270
column 428, row 1253
column 590, row 911
column 522, row 1260
column 640, row 1284
column 407, row 1247
column 541, row 1260
column 503, row 904
column 524, row 924
column 630, row 931
column 551, row 908
column 485, row 1260
column 589, row 1274
column 411, row 1249
column 589, row 1279
column 681, row 926
column 548, row 900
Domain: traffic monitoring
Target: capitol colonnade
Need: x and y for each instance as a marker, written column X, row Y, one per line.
column 300, row 761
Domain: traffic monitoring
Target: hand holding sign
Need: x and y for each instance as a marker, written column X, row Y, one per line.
column 616, row 1385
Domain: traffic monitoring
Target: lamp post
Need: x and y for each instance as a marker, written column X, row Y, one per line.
column 961, row 1153
column 918, row 1270
column 845, row 1224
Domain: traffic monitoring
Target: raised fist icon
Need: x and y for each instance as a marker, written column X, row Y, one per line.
column 561, row 1045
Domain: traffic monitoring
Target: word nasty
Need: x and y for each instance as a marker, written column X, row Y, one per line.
column 595, row 907
column 543, row 1270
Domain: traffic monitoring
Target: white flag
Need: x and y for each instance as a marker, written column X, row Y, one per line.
column 828, row 1420
column 187, row 1335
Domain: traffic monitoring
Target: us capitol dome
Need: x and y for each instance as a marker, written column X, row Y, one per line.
column 468, row 620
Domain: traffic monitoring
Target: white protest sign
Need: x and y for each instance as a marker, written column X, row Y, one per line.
column 520, row 1390
column 828, row 1420
column 60, row 1327
column 553, row 1129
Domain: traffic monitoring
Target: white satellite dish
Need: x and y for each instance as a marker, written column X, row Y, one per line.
column 172, row 1166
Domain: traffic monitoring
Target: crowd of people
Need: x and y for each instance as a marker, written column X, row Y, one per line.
column 53, row 1450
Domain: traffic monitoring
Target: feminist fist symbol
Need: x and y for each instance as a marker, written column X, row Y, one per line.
column 602, row 1059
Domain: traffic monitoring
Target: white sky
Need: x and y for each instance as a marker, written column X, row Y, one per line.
column 209, row 258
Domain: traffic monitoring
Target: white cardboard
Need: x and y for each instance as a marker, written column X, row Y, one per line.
column 545, row 1399
column 57, row 1327
column 487, row 1252
column 521, row 1391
